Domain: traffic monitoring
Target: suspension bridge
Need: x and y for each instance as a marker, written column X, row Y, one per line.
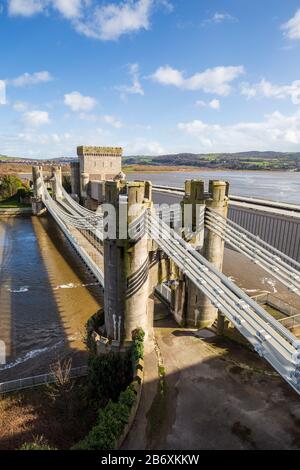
column 159, row 249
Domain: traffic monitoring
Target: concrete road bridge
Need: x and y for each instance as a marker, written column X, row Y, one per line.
column 135, row 249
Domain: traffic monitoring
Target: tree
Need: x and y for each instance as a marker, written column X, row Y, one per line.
column 9, row 185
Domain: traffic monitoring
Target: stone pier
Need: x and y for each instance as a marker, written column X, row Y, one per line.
column 126, row 263
column 200, row 312
column 36, row 200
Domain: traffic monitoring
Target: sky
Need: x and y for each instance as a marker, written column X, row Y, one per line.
column 152, row 76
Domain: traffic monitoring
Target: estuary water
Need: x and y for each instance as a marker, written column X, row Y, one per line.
column 280, row 186
column 46, row 297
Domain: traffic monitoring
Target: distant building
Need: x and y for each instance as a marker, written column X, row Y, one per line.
column 94, row 166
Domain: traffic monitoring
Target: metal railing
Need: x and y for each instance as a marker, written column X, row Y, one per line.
column 292, row 322
column 164, row 291
column 279, row 265
column 72, row 227
column 38, row 380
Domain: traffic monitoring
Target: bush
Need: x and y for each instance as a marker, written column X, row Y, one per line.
column 108, row 375
column 138, row 345
column 9, row 185
column 112, row 421
column 23, row 192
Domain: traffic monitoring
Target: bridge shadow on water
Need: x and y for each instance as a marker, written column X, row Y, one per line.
column 47, row 295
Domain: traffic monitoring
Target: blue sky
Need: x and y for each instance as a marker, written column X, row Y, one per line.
column 154, row 76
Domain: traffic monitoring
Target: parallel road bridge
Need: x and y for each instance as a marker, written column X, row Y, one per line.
column 276, row 223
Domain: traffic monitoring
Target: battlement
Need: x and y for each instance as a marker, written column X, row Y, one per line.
column 99, row 151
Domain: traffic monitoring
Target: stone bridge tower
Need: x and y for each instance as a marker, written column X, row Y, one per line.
column 94, row 165
column 126, row 261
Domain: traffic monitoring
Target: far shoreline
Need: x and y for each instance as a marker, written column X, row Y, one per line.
column 153, row 169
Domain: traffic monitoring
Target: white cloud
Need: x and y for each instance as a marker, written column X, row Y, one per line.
column 77, row 102
column 268, row 90
column 166, row 75
column 143, row 147
column 111, row 21
column 218, row 18
column 106, row 22
column 35, row 118
column 276, row 132
column 26, row 7
column 135, row 88
column 112, row 121
column 213, row 104
column 292, row 27
column 69, row 8
column 221, row 17
column 20, row 106
column 43, row 139
column 215, row 80
column 2, row 92
column 88, row 117
column 200, row 103
column 30, row 79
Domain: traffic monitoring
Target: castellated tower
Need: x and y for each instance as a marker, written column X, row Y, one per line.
column 94, row 164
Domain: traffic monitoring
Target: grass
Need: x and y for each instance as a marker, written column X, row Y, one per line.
column 144, row 168
column 12, row 203
column 274, row 312
column 28, row 416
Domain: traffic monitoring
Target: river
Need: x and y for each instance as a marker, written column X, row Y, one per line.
column 46, row 297
column 280, row 186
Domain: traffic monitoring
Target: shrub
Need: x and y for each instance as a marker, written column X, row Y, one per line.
column 108, row 375
column 23, row 192
column 138, row 345
column 112, row 421
column 9, row 185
